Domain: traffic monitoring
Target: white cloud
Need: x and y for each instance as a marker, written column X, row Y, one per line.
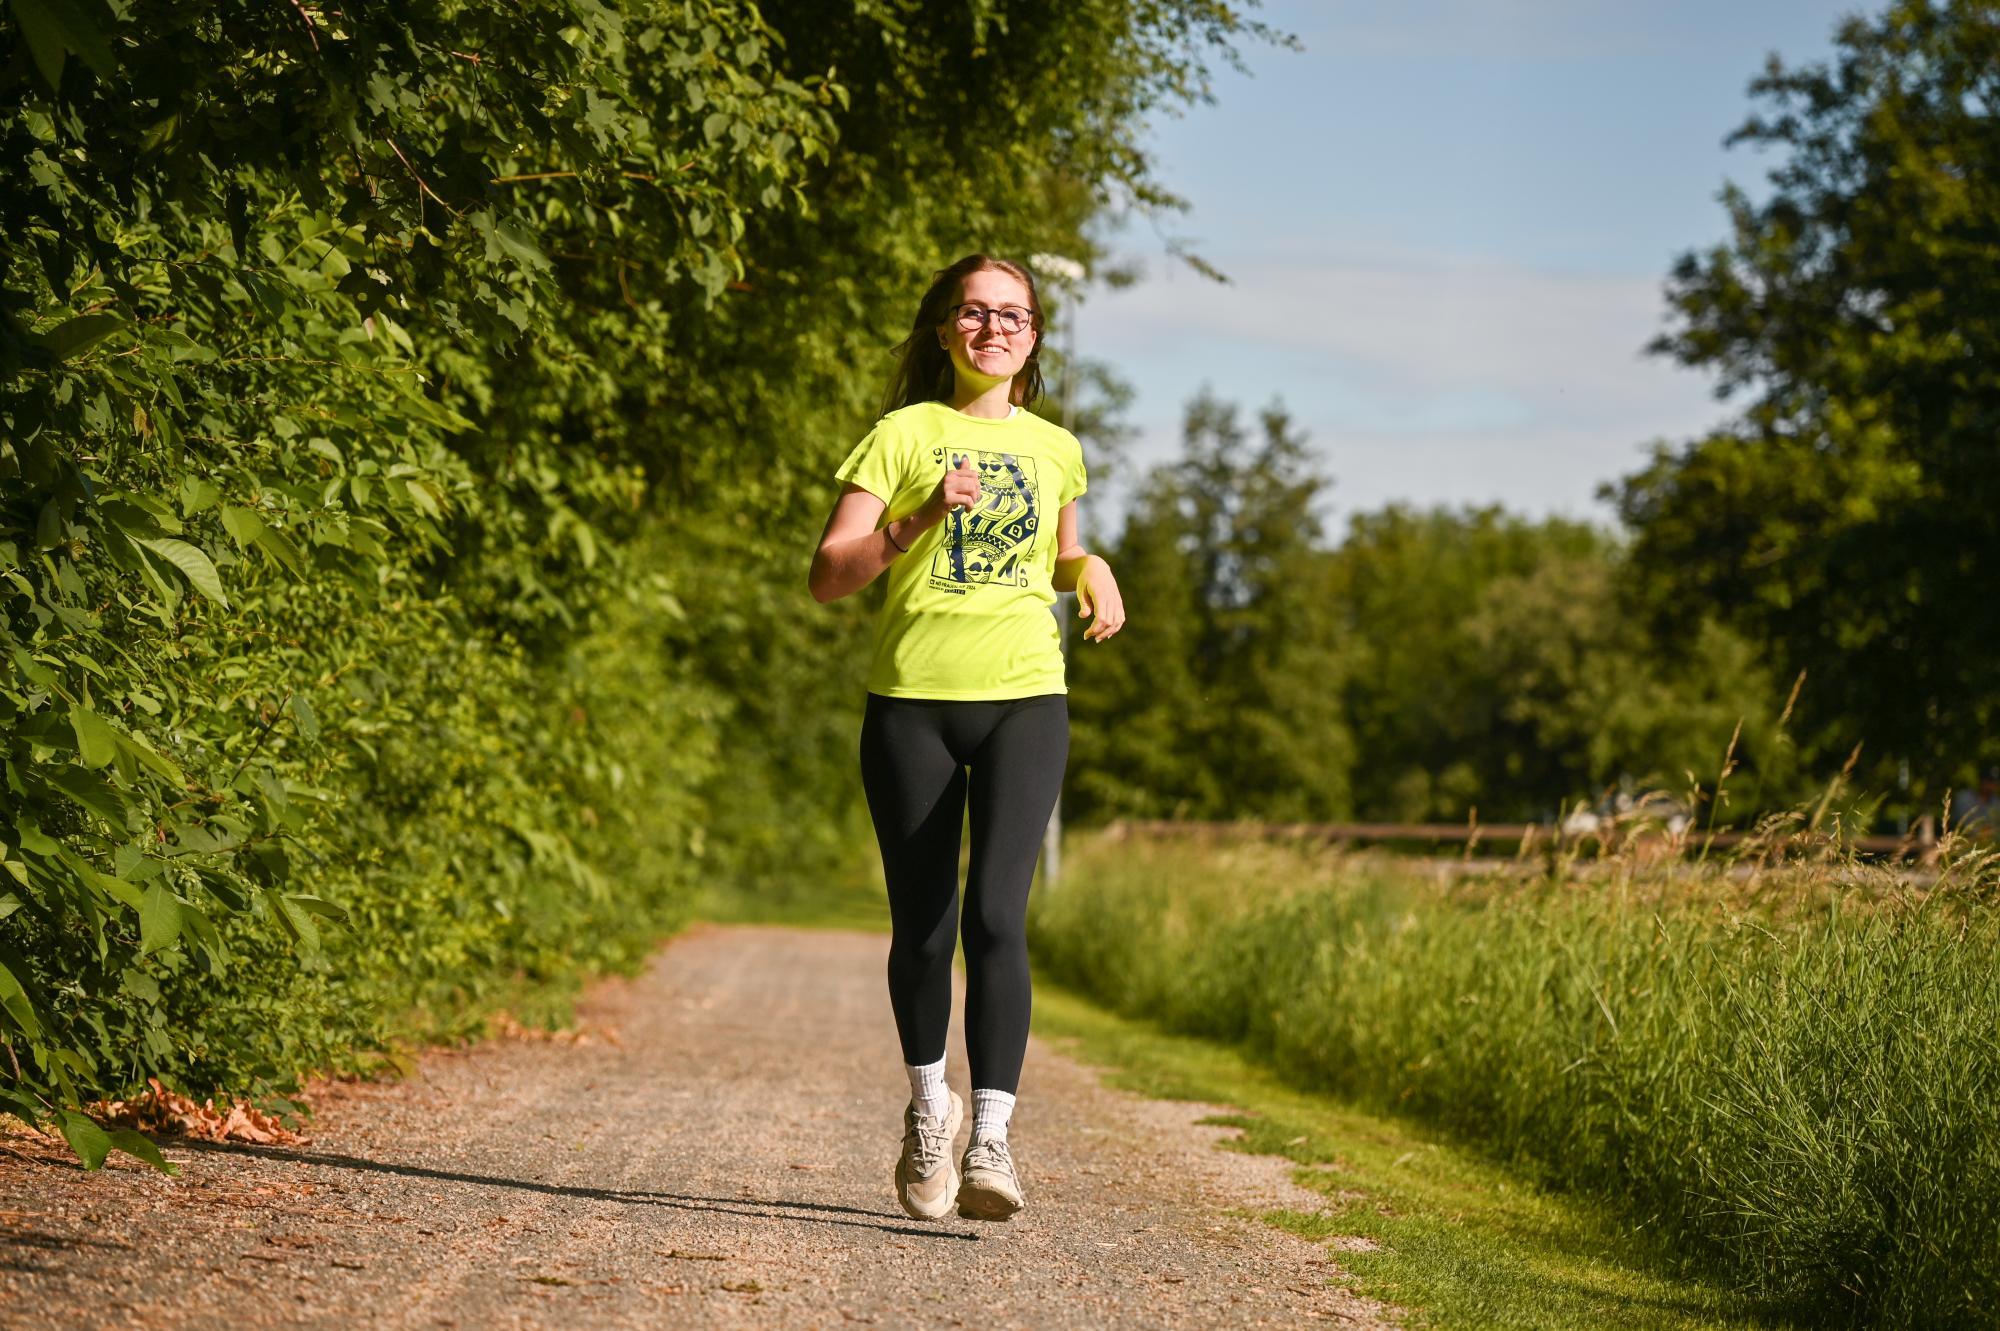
column 1391, row 342
column 1429, row 382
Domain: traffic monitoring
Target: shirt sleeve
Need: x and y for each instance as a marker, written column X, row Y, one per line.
column 1078, row 480
column 876, row 464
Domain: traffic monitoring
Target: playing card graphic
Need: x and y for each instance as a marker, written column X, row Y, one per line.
column 990, row 543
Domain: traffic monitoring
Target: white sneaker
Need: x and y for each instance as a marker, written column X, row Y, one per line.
column 991, row 1191
column 925, row 1180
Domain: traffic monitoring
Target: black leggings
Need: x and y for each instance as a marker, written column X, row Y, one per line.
column 915, row 753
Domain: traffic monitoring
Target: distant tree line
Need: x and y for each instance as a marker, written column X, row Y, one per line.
column 1428, row 664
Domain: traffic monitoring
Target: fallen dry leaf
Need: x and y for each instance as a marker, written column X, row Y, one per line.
column 161, row 1112
column 504, row 1026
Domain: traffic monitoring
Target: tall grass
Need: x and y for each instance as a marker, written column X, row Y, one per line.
column 1794, row 1076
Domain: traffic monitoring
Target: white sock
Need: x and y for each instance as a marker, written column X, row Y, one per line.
column 990, row 1112
column 927, row 1088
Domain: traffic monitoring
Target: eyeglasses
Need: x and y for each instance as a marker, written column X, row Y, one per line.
column 1011, row 318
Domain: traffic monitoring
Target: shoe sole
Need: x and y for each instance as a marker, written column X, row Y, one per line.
column 975, row 1203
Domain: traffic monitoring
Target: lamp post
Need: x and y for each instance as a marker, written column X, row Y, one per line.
column 1071, row 275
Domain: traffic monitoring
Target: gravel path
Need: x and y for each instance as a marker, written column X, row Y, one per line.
column 719, row 1155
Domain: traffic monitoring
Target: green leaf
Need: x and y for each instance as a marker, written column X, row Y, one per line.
column 33, row 838
column 298, row 923
column 126, row 894
column 200, row 928
column 243, row 526
column 197, row 494
column 42, row 30
column 80, row 24
column 160, row 133
column 14, row 1000
column 90, row 1142
column 49, row 526
column 96, row 741
column 272, row 787
column 168, row 593
column 139, row 1144
column 302, row 711
column 159, row 919
column 193, row 564
column 33, row 670
column 93, row 792
column 321, row 907
column 505, row 238
column 279, row 546
column 117, row 889
column 75, row 336
column 22, row 1106
column 146, row 754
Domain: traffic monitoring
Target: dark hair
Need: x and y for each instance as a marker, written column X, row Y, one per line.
column 923, row 368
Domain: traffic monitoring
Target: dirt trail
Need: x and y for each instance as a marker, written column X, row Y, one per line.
column 725, row 1163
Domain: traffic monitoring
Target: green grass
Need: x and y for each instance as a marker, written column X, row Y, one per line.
column 1463, row 1242
column 1791, row 1077
column 849, row 898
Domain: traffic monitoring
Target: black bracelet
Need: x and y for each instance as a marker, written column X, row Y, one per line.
column 892, row 540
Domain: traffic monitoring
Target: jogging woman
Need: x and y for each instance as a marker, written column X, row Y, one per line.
column 969, row 501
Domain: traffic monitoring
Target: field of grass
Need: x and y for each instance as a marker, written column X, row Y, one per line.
column 1461, row 1242
column 1791, row 1078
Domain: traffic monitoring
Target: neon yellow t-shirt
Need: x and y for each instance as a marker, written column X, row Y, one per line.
column 968, row 609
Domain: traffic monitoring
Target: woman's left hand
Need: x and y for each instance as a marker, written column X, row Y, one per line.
column 1097, row 593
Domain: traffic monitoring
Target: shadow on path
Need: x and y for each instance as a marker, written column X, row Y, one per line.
column 21, row 1249
column 783, row 1209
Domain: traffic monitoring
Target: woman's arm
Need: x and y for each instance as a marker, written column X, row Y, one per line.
column 852, row 552
column 1070, row 554
column 1089, row 577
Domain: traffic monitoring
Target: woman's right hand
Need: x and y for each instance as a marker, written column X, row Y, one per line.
column 958, row 489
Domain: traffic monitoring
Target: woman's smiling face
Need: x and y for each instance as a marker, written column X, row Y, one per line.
column 988, row 352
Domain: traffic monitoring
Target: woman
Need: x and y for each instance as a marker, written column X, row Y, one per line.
column 951, row 492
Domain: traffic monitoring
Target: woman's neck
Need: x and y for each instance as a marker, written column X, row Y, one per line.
column 992, row 398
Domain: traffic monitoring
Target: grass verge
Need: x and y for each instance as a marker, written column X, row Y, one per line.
column 1462, row 1243
column 1789, row 1074
column 849, row 897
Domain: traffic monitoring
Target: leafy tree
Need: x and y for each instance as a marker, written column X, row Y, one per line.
column 1496, row 665
column 1222, row 698
column 1583, row 700
column 1430, row 738
column 1847, row 519
column 1432, row 663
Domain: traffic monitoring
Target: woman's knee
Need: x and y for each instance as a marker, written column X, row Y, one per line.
column 910, row 953
column 995, row 937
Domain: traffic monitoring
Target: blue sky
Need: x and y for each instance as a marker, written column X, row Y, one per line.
column 1448, row 223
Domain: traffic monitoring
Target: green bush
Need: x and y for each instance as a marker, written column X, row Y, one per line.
column 414, row 422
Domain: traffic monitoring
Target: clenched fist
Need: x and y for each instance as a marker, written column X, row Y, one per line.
column 958, row 489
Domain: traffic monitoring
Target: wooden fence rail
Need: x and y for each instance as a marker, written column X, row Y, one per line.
column 1920, row 843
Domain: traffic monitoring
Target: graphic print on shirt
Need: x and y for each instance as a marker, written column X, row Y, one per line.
column 990, row 543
